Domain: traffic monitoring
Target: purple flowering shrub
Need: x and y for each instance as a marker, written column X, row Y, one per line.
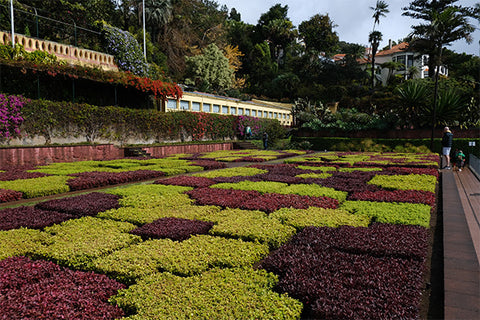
column 187, row 181
column 43, row 290
column 10, row 116
column 30, row 217
column 173, row 228
column 10, row 195
column 84, row 205
column 88, row 180
column 270, row 202
column 354, row 273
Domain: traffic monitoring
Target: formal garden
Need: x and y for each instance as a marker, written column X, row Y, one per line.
column 222, row 235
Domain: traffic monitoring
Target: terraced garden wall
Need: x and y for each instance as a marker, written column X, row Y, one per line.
column 28, row 156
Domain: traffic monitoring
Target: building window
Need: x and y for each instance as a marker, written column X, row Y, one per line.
column 207, row 107
column 233, row 110
column 270, row 115
column 216, row 108
column 254, row 113
column 171, row 104
column 240, row 111
column 247, row 112
column 225, row 109
column 195, row 106
column 184, row 105
column 410, row 60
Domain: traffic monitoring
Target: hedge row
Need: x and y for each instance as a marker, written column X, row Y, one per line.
column 358, row 144
column 50, row 119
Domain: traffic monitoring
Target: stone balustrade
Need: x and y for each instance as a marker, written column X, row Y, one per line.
column 68, row 53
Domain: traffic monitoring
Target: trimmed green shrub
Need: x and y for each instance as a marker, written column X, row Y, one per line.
column 405, row 182
column 141, row 215
column 314, row 190
column 319, row 217
column 134, row 262
column 151, row 189
column 314, row 175
column 260, row 186
column 217, row 294
column 323, row 169
column 252, row 226
column 203, row 252
column 75, row 243
column 359, row 169
column 394, row 213
column 231, row 172
column 21, row 242
column 38, row 187
column 145, row 201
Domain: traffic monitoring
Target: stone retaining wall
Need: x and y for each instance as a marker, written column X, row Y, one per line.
column 32, row 156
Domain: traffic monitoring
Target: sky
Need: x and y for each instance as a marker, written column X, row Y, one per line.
column 353, row 18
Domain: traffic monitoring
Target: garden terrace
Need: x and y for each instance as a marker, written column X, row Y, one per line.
column 179, row 246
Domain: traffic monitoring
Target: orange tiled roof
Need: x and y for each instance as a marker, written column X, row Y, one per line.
column 398, row 48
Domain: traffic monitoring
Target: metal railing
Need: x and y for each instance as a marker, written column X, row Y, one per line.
column 474, row 165
column 39, row 26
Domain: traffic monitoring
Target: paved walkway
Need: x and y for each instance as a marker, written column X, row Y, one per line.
column 461, row 242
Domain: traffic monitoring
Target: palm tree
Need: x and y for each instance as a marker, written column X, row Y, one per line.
column 392, row 66
column 380, row 10
column 448, row 23
column 374, row 38
column 157, row 14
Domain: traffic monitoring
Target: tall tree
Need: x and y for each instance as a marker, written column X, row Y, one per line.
column 318, row 34
column 380, row 10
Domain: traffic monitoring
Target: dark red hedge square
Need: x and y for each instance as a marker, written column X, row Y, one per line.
column 172, row 228
column 187, row 181
column 222, row 197
column 43, row 290
column 30, row 217
column 84, row 205
column 10, row 195
column 270, row 202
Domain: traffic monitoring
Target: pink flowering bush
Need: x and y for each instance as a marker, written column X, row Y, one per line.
column 10, row 116
column 43, row 290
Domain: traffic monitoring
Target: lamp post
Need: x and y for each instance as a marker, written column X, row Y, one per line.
column 144, row 42
column 12, row 23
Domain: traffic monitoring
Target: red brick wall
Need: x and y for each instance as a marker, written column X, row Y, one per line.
column 47, row 154
column 194, row 148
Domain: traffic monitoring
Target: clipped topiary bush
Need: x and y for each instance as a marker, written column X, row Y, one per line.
column 20, row 242
column 38, row 187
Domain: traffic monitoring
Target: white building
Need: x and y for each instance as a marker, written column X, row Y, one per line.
column 400, row 53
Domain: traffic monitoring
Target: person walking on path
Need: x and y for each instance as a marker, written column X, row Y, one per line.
column 265, row 140
column 447, row 141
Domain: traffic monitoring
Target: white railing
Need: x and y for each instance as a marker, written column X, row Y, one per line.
column 68, row 53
